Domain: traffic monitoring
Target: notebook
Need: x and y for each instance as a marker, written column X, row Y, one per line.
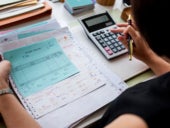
column 77, row 6
column 77, row 11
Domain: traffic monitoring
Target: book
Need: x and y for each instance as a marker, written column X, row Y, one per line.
column 77, row 11
column 78, row 6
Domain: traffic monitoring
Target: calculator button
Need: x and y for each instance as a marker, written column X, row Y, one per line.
column 104, row 45
column 101, row 41
column 94, row 34
column 115, row 44
column 102, row 31
column 122, row 46
column 111, row 46
column 102, row 35
column 116, row 39
column 112, row 41
column 109, row 43
column 106, row 34
column 119, row 43
column 107, row 48
column 105, row 39
column 110, row 38
column 98, row 38
column 110, row 52
column 119, row 48
column 115, row 50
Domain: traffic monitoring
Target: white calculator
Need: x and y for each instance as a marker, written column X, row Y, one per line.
column 97, row 27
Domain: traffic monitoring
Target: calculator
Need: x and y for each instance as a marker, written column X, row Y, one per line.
column 97, row 28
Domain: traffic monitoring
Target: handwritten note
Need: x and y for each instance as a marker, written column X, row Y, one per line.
column 37, row 66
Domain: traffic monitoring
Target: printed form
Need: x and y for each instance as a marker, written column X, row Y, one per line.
column 38, row 66
column 84, row 86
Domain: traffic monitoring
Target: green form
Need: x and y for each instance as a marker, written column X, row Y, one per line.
column 39, row 65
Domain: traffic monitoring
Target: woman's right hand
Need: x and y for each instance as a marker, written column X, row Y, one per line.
column 141, row 49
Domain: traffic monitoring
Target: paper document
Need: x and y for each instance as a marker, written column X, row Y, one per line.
column 5, row 2
column 61, row 104
column 37, row 66
column 31, row 30
column 19, row 4
column 22, row 10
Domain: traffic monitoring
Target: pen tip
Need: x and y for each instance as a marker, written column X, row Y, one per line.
column 129, row 17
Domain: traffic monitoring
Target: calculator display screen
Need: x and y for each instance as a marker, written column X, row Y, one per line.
column 98, row 22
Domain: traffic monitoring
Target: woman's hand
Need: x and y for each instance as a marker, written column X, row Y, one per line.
column 5, row 68
column 141, row 50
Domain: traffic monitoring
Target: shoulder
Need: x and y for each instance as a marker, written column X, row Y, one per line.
column 163, row 80
column 158, row 86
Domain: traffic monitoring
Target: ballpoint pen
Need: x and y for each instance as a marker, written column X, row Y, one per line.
column 130, row 41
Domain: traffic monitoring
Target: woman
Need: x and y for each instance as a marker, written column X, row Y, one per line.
column 147, row 104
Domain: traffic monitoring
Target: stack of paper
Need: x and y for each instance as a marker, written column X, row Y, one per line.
column 78, row 6
column 17, row 10
column 16, row 7
column 72, row 82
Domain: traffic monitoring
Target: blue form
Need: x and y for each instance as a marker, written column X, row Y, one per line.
column 38, row 66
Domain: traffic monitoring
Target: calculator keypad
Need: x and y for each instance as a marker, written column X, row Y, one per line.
column 109, row 42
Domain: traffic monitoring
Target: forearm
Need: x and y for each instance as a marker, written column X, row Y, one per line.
column 157, row 64
column 128, row 121
column 13, row 113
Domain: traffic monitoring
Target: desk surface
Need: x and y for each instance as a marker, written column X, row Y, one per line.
column 116, row 65
column 121, row 65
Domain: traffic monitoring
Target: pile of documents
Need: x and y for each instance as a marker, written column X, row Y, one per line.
column 78, row 6
column 16, row 7
column 16, row 10
column 72, row 81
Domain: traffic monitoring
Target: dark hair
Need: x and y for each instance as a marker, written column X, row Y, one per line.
column 151, row 19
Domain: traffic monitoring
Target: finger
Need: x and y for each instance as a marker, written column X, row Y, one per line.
column 122, row 38
column 5, row 68
column 130, row 31
column 122, row 24
column 117, row 30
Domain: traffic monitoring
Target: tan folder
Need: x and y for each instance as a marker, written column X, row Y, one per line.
column 46, row 10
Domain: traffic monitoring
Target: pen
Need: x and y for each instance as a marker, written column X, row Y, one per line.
column 130, row 41
column 57, row 1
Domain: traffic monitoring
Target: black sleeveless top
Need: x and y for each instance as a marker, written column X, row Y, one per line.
column 149, row 100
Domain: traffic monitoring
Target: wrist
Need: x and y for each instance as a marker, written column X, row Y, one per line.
column 6, row 100
column 4, row 83
column 157, row 64
column 5, row 91
column 150, row 57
